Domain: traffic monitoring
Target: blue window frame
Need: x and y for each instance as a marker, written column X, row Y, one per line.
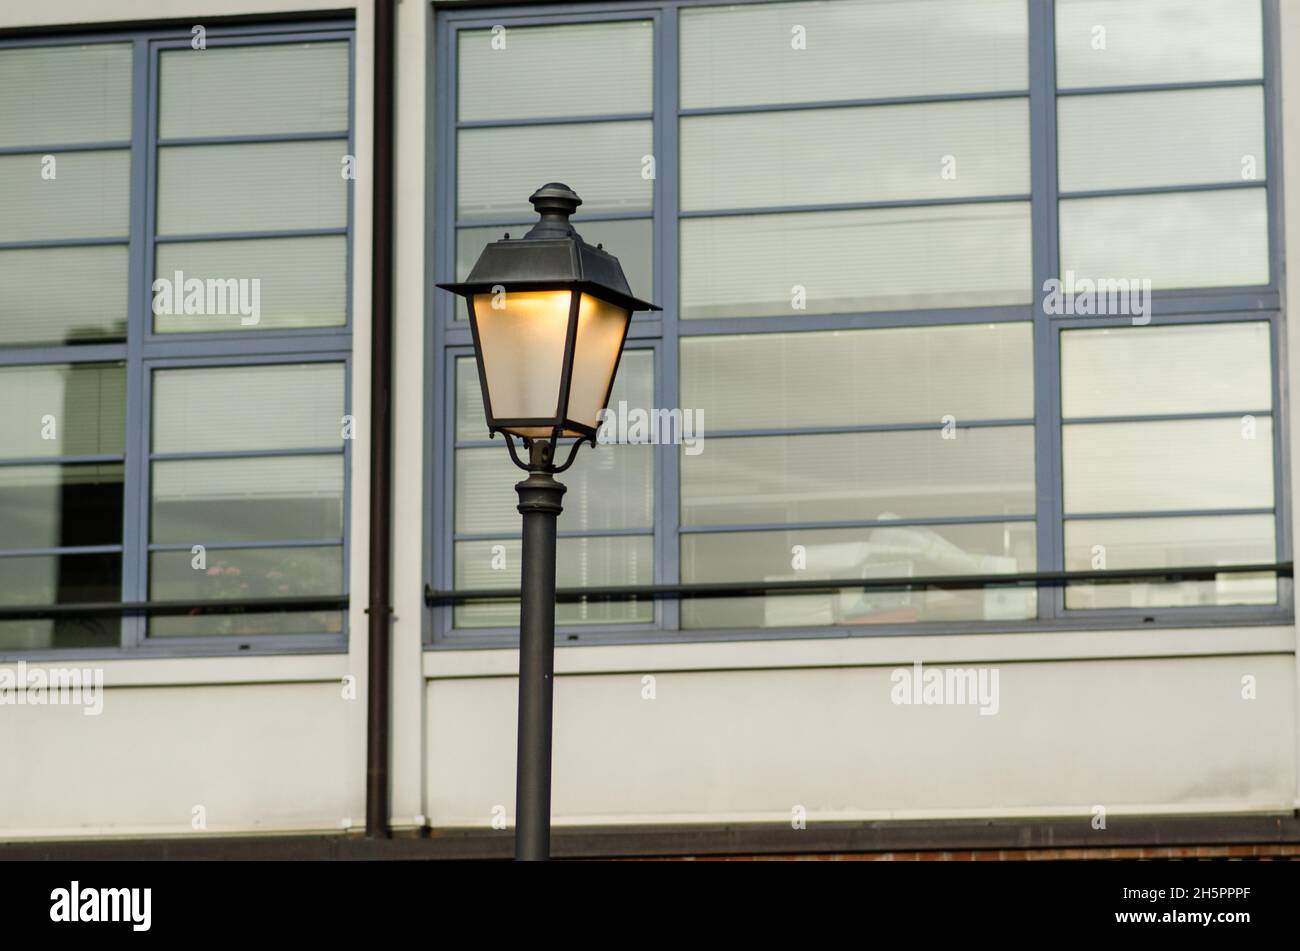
column 1048, row 525
column 186, row 135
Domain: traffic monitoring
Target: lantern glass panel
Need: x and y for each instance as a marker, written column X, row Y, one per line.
column 521, row 340
column 601, row 328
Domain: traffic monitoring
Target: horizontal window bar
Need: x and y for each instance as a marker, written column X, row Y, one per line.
column 60, row 243
column 855, row 523
column 1176, row 307
column 60, row 550
column 38, row 355
column 863, row 428
column 224, row 546
column 1162, row 189
column 1172, row 513
column 244, row 453
column 1160, row 417
column 855, row 320
column 1157, row 87
column 249, row 235
column 63, row 460
column 252, row 139
column 852, row 103
column 561, row 533
column 853, row 206
column 22, row 612
column 115, row 146
column 744, row 589
column 576, row 220
column 553, row 120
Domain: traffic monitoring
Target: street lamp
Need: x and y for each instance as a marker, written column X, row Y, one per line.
column 549, row 314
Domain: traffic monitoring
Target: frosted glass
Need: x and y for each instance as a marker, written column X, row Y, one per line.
column 251, row 90
column 579, row 562
column 260, row 498
column 303, row 281
column 1156, row 41
column 62, row 410
column 498, row 169
column 983, row 471
column 277, row 406
column 89, row 197
column 261, row 187
column 883, row 551
column 877, row 153
column 1169, row 465
column 1191, row 368
column 1181, row 137
column 852, row 49
column 590, row 69
column 52, row 95
column 895, row 375
column 1171, row 543
column 522, row 342
column 847, row 261
column 1179, row 240
column 39, row 305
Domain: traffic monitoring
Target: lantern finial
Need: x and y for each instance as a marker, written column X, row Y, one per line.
column 555, row 202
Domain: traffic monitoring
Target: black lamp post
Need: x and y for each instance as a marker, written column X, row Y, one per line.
column 549, row 314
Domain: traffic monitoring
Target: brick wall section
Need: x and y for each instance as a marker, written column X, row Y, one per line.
column 1260, row 852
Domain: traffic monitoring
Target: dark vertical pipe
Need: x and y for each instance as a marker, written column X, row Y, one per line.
column 381, row 436
column 540, row 498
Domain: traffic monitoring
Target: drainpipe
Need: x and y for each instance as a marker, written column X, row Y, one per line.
column 381, row 436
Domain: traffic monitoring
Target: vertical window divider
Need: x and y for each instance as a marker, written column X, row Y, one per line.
column 1046, row 263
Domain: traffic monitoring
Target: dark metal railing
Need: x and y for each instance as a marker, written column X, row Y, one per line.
column 741, row 589
column 23, row 612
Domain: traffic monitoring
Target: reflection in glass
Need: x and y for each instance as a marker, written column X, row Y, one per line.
column 37, row 305
column 62, row 409
column 60, row 506
column 90, row 198
column 61, row 579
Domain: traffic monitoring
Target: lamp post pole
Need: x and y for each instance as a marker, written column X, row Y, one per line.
column 540, row 498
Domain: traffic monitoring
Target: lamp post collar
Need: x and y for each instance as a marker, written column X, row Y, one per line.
column 554, row 202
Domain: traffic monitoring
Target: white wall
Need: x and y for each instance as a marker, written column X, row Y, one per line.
column 1137, row 721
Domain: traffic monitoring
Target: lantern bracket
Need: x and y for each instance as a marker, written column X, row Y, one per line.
column 541, row 453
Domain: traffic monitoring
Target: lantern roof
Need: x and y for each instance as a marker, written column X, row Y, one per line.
column 552, row 256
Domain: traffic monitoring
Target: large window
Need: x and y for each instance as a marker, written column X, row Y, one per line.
column 950, row 288
column 174, row 337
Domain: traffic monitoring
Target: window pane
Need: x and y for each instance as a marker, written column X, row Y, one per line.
column 302, row 282
column 1171, row 543
column 632, row 242
column 634, row 383
column 55, row 95
column 259, row 187
column 37, row 305
column 590, row 69
column 1180, row 240
column 602, row 161
column 608, row 487
column 911, row 474
column 1119, row 42
column 877, row 153
column 307, row 399
column 216, row 500
column 1191, row 137
column 238, row 574
column 898, row 375
column 898, row 551
column 807, row 52
column 61, row 579
column 1169, row 465
column 89, row 197
column 847, row 261
column 60, row 506
column 62, row 410
column 1193, row 368
column 249, row 90
column 594, row 562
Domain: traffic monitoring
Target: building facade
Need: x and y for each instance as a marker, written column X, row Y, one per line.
column 951, row 289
